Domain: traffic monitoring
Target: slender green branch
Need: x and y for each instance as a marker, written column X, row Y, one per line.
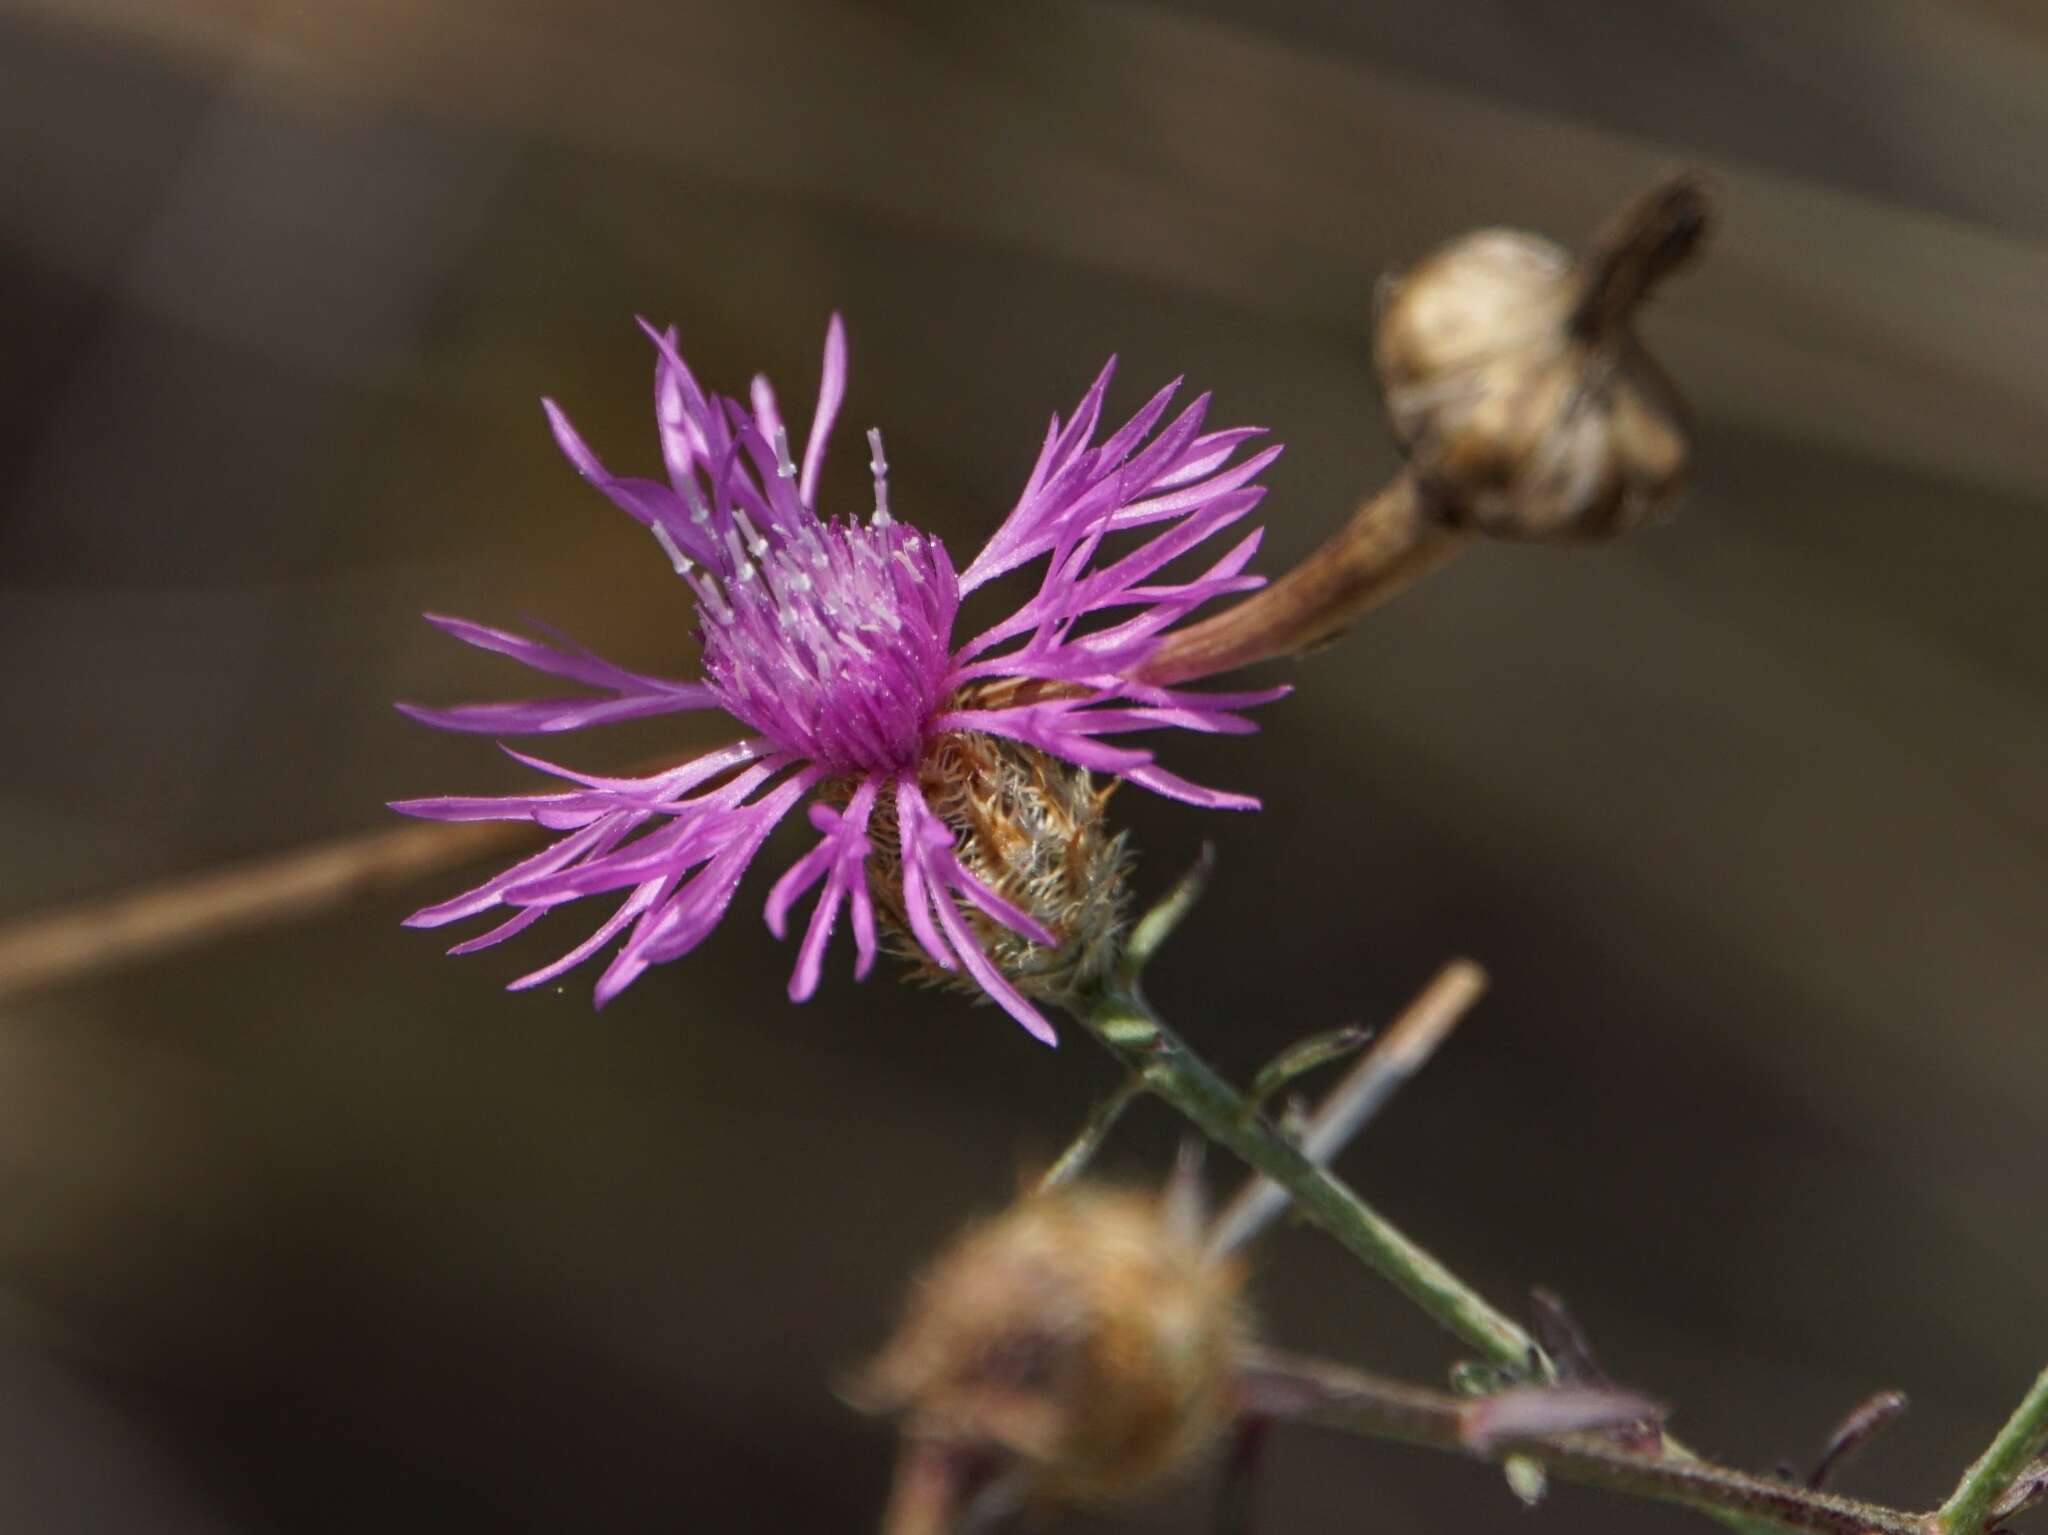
column 1301, row 1058
column 1337, row 1397
column 1088, row 1140
column 1162, row 1063
column 1158, row 924
column 2020, row 1441
column 1395, row 1057
column 1168, row 1068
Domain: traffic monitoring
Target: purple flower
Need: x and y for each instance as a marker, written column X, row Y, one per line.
column 831, row 643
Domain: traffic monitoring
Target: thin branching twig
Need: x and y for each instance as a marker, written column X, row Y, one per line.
column 186, row 912
column 1395, row 1057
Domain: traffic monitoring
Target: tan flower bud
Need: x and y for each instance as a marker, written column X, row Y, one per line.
column 1034, row 830
column 1082, row 1336
column 1516, row 384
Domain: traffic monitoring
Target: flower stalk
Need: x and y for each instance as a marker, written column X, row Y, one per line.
column 1162, row 1061
column 1163, row 1064
column 1397, row 1055
column 50, row 949
column 1094, row 1131
column 2001, row 1482
column 1395, row 538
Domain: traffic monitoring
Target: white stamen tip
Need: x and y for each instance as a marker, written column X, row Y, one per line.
column 879, row 464
column 676, row 557
column 785, row 466
column 756, row 544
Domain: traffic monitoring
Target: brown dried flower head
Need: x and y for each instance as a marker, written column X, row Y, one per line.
column 1516, row 384
column 1082, row 1335
column 1032, row 829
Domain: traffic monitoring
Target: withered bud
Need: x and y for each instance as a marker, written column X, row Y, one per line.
column 1033, row 829
column 1081, row 1337
column 1515, row 382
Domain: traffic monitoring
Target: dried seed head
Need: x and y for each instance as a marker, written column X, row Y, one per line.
column 1517, row 386
column 1081, row 1335
column 1033, row 830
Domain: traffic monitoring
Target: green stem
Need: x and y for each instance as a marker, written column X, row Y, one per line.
column 2024, row 1437
column 1168, row 1068
column 1101, row 1120
column 1158, row 1057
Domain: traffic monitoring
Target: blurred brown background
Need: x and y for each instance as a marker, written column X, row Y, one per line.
column 320, row 1231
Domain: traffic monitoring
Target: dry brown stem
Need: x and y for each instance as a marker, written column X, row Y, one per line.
column 181, row 913
column 1390, row 542
column 1649, row 237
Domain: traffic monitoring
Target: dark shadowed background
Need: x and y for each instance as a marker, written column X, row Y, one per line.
column 320, row 1231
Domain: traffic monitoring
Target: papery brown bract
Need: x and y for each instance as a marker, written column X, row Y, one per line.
column 1516, row 384
column 1033, row 830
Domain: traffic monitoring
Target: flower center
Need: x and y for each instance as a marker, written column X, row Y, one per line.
column 832, row 639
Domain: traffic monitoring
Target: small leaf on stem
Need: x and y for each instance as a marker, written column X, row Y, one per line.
column 1564, row 1340
column 1527, row 1479
column 1864, row 1422
column 2028, row 1488
column 1571, row 1355
column 1088, row 1140
column 1302, row 1057
column 1158, row 924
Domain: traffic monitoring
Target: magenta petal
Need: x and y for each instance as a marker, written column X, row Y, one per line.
column 645, row 501
column 490, row 893
column 795, row 882
column 623, row 971
column 1207, row 454
column 809, row 969
column 1008, row 913
column 518, row 922
column 1059, row 727
column 669, row 782
column 1119, row 444
column 938, row 876
column 702, row 903
column 478, row 807
column 642, row 898
column 865, row 946
column 1188, row 497
column 545, row 716
column 912, row 816
column 842, row 850
column 702, row 420
column 767, row 415
column 1103, row 722
column 635, row 696
column 831, row 391
column 565, row 658
column 992, row 980
column 1172, row 786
